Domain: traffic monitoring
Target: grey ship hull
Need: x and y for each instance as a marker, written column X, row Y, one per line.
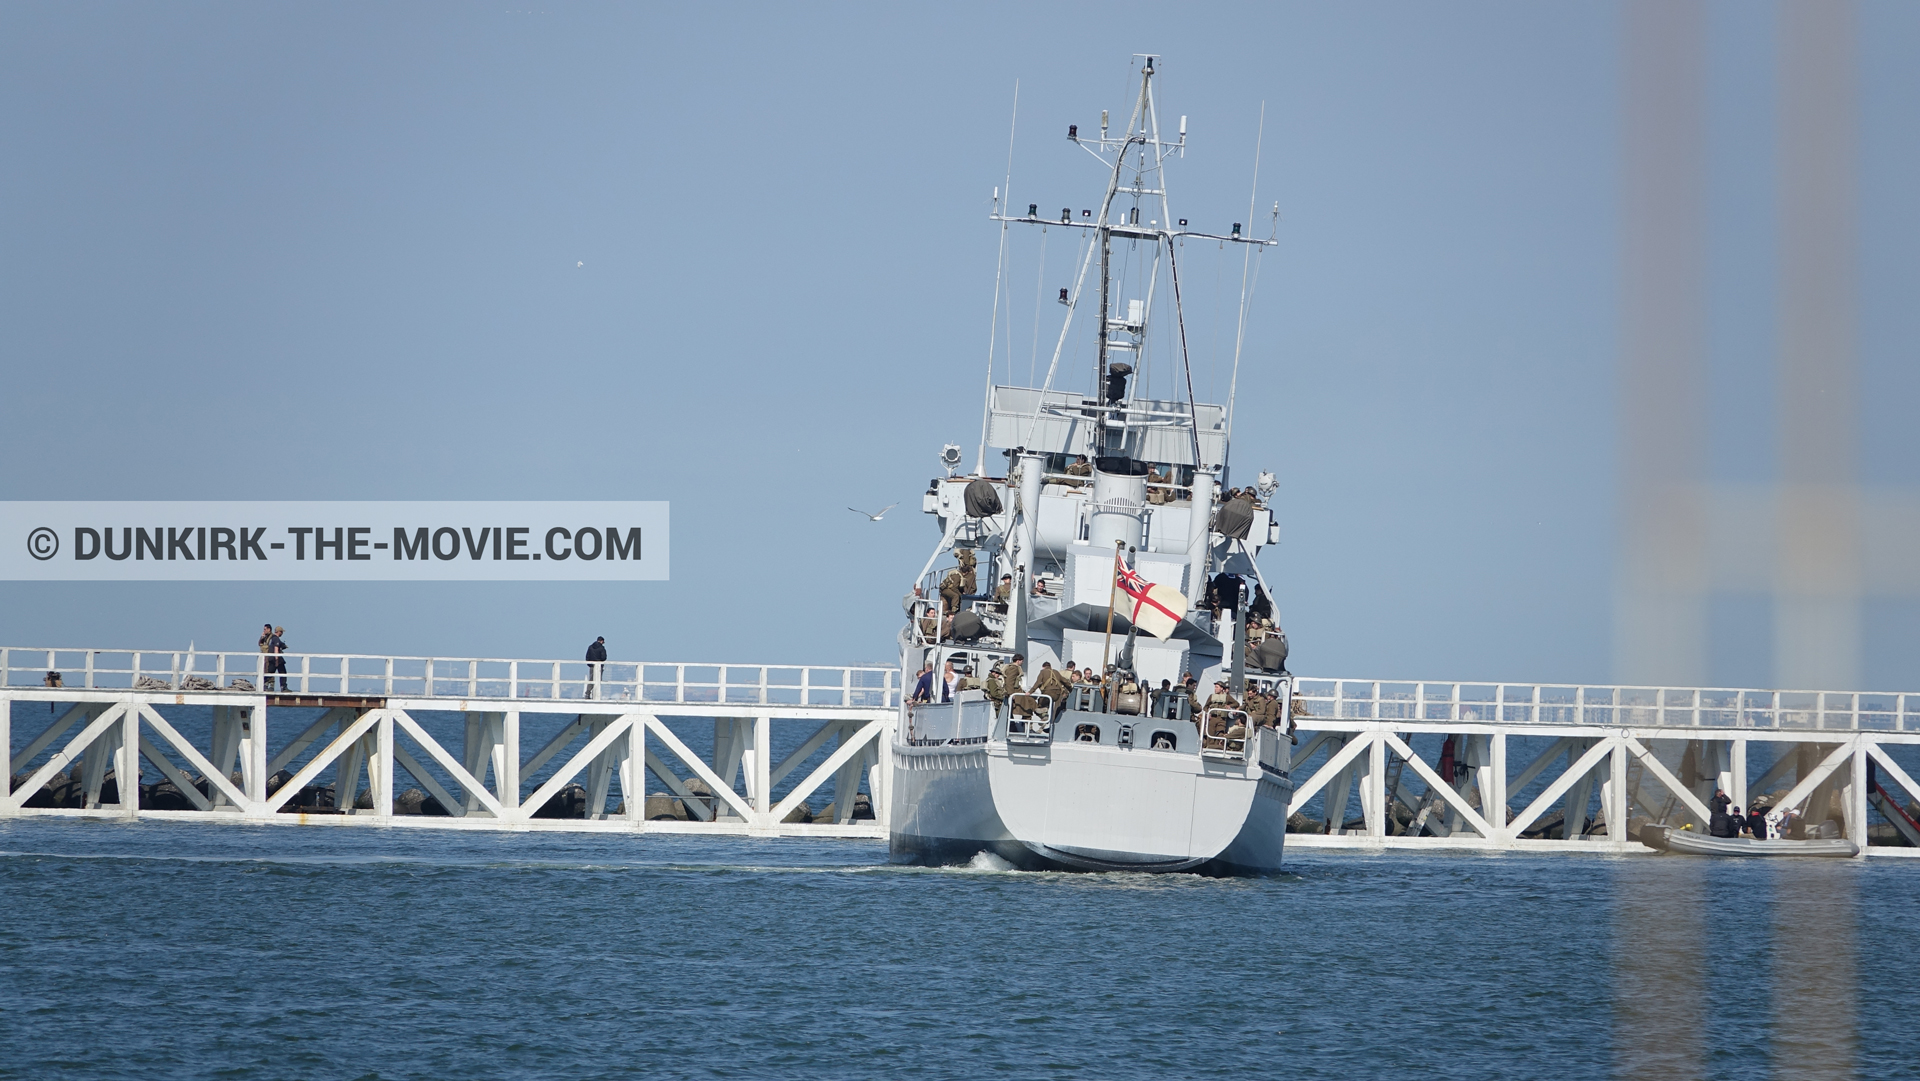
column 1100, row 478
column 1069, row 806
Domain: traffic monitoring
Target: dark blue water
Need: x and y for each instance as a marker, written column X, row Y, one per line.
column 183, row 950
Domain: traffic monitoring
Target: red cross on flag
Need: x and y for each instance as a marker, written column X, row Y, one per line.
column 1157, row 609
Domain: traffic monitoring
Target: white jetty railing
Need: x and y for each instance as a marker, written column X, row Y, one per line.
column 1666, row 707
column 1647, row 753
column 352, row 675
column 356, row 720
column 1427, row 762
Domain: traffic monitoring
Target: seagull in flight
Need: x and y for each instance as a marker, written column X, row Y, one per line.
column 875, row 517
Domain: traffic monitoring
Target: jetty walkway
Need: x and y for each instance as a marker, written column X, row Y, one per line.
column 797, row 750
column 332, row 745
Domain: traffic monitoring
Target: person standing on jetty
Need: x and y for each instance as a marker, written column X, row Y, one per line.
column 596, row 663
column 277, row 657
column 266, row 653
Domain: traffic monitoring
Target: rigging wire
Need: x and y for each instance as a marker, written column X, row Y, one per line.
column 1193, row 410
column 1066, row 327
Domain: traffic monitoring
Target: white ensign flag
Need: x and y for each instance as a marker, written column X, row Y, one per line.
column 1157, row 609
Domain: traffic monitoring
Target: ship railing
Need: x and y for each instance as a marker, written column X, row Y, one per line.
column 1699, row 708
column 1035, row 729
column 1217, row 739
column 1088, row 697
column 1073, row 480
column 339, row 675
column 1170, row 705
column 927, row 612
column 925, row 609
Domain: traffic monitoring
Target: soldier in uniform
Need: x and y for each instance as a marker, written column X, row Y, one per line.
column 1012, row 672
column 1222, row 697
column 952, row 588
column 1155, row 495
column 1219, row 699
column 1003, row 593
column 1262, row 709
column 996, row 688
column 959, row 582
column 1056, row 687
column 967, row 681
column 1049, row 682
column 1079, row 468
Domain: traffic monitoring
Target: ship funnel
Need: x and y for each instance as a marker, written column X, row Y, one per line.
column 1117, row 512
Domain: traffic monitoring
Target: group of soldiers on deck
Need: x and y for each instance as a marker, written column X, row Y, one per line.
column 960, row 582
column 1004, row 686
column 1262, row 706
column 1162, row 488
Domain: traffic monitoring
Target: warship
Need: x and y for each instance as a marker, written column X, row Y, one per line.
column 1113, row 543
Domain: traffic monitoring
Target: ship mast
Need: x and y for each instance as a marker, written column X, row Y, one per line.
column 1143, row 132
column 1137, row 129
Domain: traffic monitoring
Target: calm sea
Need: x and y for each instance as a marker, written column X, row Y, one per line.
column 176, row 950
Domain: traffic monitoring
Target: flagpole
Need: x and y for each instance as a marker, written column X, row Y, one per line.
column 1113, row 595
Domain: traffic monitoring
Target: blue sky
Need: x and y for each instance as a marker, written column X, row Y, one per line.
column 737, row 258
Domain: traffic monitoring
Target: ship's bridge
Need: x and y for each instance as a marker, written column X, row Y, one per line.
column 1067, row 423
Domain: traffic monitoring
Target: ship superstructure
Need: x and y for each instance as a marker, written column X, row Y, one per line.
column 1107, row 493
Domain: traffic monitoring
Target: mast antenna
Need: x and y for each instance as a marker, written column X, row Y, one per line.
column 1180, row 318
column 1246, row 264
column 999, row 268
column 1136, row 132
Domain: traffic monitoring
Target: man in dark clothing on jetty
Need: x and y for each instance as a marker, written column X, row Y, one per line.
column 1722, row 823
column 277, row 661
column 596, row 662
